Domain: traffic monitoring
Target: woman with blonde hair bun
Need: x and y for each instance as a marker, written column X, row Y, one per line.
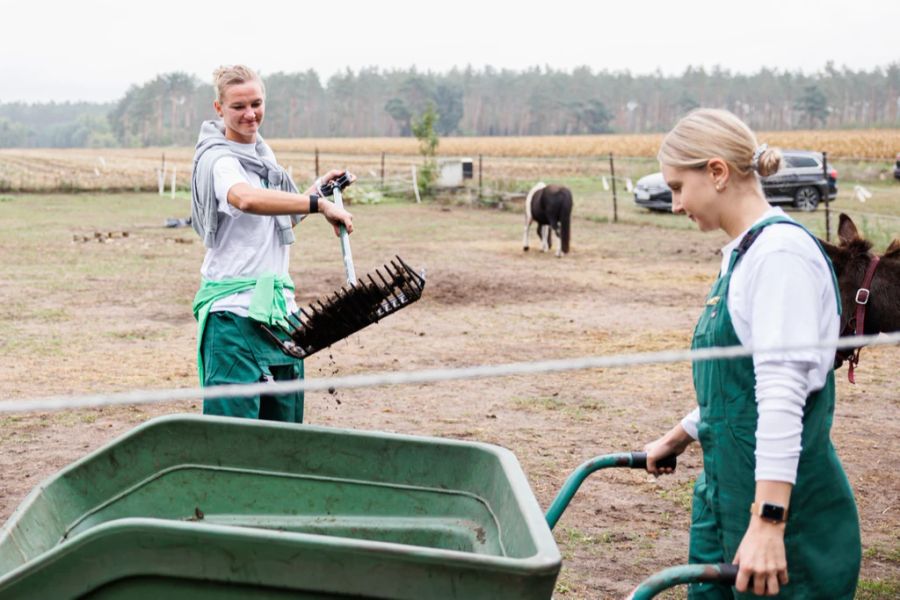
column 245, row 207
column 772, row 496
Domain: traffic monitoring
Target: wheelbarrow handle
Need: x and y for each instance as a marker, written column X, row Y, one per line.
column 639, row 461
column 633, row 460
column 722, row 574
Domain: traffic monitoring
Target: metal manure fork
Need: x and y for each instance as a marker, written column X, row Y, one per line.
column 356, row 305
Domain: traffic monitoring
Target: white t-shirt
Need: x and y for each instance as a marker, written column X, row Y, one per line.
column 246, row 245
column 781, row 294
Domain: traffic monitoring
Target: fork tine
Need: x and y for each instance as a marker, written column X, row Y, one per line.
column 352, row 307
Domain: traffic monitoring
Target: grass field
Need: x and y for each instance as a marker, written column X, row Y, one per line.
column 85, row 308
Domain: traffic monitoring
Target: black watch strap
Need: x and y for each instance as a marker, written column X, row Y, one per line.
column 774, row 513
column 313, row 203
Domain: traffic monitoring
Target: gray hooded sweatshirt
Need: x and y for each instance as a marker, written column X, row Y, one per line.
column 211, row 146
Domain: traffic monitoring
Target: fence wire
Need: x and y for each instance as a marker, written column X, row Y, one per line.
column 426, row 376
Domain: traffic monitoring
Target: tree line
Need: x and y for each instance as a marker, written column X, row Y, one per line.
column 539, row 101
column 58, row 125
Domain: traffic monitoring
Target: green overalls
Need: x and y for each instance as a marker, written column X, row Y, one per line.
column 822, row 533
column 233, row 349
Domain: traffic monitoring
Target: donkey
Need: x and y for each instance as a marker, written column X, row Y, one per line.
column 551, row 207
column 872, row 306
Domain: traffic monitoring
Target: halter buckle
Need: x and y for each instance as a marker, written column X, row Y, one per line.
column 862, row 296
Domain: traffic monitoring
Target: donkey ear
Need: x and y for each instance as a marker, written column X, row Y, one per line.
column 847, row 231
column 894, row 248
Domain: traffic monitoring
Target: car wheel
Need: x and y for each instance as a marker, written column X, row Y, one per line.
column 806, row 199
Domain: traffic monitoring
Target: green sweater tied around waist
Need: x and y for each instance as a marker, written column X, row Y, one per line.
column 267, row 305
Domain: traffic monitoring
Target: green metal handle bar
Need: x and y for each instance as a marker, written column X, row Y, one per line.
column 633, row 460
column 723, row 574
column 345, row 240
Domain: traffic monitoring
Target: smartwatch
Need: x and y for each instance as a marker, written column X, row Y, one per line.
column 313, row 203
column 774, row 513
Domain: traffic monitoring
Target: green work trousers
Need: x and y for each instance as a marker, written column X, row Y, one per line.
column 236, row 350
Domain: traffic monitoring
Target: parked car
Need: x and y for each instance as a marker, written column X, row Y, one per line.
column 801, row 181
column 897, row 167
column 653, row 193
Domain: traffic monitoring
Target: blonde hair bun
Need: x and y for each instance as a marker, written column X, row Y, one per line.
column 769, row 162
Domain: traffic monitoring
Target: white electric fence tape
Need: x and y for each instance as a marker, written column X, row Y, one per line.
column 424, row 376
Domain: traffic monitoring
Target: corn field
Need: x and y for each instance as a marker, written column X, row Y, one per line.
column 506, row 160
column 84, row 169
column 877, row 144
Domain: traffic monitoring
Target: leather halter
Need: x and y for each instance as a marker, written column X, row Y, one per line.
column 856, row 324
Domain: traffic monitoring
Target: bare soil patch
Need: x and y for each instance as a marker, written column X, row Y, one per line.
column 96, row 317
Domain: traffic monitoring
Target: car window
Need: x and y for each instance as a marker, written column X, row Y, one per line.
column 801, row 161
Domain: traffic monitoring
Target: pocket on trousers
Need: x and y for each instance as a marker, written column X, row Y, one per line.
column 699, row 506
column 230, row 361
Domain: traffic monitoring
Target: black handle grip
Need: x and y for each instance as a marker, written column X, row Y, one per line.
column 639, row 461
column 340, row 182
column 727, row 574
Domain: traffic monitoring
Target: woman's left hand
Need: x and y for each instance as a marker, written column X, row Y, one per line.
column 761, row 556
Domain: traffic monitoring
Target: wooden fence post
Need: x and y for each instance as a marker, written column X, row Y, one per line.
column 827, row 203
column 161, row 175
column 416, row 184
column 612, row 171
column 479, row 176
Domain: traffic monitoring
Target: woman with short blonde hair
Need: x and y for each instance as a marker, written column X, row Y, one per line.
column 245, row 207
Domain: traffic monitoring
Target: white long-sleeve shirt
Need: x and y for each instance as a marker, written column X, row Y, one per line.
column 781, row 294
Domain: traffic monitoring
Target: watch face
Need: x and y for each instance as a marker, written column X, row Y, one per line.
column 772, row 512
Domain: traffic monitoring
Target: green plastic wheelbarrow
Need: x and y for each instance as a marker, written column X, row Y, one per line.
column 202, row 507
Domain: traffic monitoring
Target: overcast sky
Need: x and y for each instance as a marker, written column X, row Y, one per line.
column 94, row 49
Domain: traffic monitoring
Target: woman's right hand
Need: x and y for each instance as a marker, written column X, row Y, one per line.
column 674, row 442
column 336, row 216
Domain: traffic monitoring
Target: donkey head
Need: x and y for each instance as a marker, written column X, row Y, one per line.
column 851, row 258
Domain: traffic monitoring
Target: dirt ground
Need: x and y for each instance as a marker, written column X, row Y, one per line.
column 95, row 316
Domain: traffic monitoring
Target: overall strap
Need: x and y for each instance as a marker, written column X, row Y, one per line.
column 753, row 233
column 757, row 229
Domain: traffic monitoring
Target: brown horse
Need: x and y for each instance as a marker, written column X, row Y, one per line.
column 867, row 308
